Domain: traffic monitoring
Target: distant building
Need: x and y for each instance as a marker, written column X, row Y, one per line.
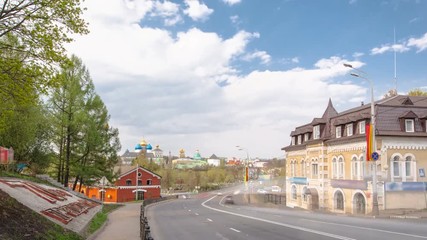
column 214, row 161
column 145, row 150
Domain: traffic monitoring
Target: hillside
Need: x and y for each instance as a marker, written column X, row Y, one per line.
column 20, row 222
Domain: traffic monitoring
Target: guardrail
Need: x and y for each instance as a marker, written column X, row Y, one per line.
column 145, row 232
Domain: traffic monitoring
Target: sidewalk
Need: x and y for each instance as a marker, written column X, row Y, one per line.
column 122, row 224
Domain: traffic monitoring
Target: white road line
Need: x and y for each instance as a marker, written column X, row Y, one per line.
column 278, row 223
column 234, row 230
column 189, row 210
column 366, row 228
column 197, row 214
column 210, row 220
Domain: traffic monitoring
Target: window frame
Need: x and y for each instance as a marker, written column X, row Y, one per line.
column 349, row 129
column 362, row 127
column 338, row 132
column 316, row 132
column 406, row 125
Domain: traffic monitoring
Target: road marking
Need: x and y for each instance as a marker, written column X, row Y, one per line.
column 189, row 210
column 234, row 230
column 277, row 223
column 197, row 214
column 367, row 228
column 210, row 220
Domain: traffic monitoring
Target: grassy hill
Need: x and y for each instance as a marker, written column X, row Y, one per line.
column 20, row 222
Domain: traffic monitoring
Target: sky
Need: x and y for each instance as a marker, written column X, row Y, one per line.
column 215, row 74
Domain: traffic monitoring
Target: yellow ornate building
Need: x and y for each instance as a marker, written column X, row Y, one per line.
column 326, row 159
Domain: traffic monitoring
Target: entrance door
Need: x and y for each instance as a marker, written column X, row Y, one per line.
column 359, row 204
column 140, row 195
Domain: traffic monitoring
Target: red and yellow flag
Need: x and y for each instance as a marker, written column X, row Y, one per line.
column 369, row 142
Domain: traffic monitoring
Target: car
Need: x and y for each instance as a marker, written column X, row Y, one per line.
column 261, row 191
column 219, row 193
column 229, row 200
column 276, row 189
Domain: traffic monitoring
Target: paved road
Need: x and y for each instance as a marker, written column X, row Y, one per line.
column 123, row 224
column 207, row 218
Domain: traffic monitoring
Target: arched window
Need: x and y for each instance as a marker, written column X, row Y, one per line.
column 355, row 170
column 362, row 167
column 408, row 166
column 340, row 167
column 339, row 200
column 334, row 168
column 396, row 166
column 294, row 192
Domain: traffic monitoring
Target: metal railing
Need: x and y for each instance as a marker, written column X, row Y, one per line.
column 145, row 232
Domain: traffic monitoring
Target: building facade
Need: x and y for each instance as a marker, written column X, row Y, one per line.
column 327, row 166
column 133, row 183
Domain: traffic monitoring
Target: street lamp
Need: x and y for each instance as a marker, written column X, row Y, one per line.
column 360, row 74
column 246, row 164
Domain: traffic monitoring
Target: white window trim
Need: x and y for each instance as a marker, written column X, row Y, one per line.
column 338, row 131
column 316, row 132
column 413, row 125
column 349, row 129
column 362, row 125
column 299, row 139
column 341, row 168
column 293, row 140
column 306, row 137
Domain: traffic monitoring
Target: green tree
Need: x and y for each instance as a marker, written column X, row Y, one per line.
column 417, row 92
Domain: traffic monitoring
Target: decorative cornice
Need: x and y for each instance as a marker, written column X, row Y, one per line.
column 404, row 143
column 347, row 147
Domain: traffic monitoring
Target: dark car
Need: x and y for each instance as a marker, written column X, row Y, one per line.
column 229, row 200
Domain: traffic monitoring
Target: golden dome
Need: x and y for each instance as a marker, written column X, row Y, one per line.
column 143, row 142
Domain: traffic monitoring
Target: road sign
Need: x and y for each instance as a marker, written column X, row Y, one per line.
column 375, row 156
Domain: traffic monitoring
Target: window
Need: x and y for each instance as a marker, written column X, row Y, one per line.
column 396, row 166
column 294, row 192
column 306, row 137
column 316, row 132
column 339, row 200
column 299, row 139
column 293, row 140
column 314, row 169
column 409, row 125
column 362, row 125
column 340, row 167
column 355, row 168
column 128, row 182
column 349, row 129
column 338, row 131
column 293, row 168
column 149, row 182
column 139, row 183
column 408, row 166
column 334, row 168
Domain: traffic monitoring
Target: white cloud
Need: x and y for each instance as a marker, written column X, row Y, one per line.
column 197, row 11
column 295, row 60
column 234, row 19
column 420, row 43
column 389, row 48
column 358, row 54
column 264, row 57
column 164, row 86
column 231, row 2
column 166, row 9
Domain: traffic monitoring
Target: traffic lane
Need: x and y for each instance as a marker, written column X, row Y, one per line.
column 399, row 227
column 366, row 228
column 192, row 222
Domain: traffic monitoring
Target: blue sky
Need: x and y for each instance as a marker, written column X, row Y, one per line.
column 211, row 75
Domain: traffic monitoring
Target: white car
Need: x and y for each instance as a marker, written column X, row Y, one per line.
column 261, row 191
column 276, row 189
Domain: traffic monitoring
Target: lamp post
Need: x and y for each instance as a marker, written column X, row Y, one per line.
column 361, row 74
column 246, row 177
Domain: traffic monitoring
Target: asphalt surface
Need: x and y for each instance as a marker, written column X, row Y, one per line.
column 206, row 217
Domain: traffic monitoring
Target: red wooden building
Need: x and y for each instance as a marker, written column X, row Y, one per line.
column 133, row 183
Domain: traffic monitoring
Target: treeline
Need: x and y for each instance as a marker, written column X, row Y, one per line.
column 50, row 113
